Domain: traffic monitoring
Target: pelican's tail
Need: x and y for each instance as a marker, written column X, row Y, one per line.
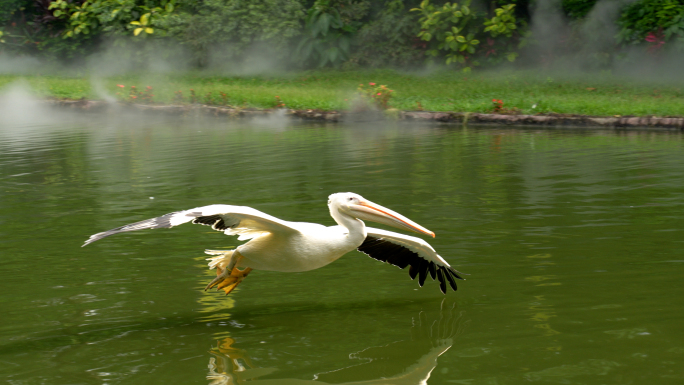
column 222, row 258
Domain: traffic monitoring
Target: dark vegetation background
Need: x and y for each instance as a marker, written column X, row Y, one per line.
column 238, row 35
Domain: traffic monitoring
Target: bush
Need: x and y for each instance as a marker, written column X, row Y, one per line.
column 9, row 8
column 389, row 39
column 227, row 28
column 455, row 32
column 329, row 30
column 654, row 21
column 578, row 9
column 29, row 27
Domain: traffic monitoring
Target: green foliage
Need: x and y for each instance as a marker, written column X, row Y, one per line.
column 10, row 8
column 235, row 26
column 455, row 31
column 578, row 9
column 663, row 19
column 388, row 39
column 522, row 7
column 329, row 28
column 503, row 23
column 28, row 27
column 113, row 17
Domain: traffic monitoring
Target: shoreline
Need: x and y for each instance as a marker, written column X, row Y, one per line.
column 547, row 120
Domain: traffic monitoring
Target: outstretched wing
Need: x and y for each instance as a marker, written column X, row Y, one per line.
column 403, row 250
column 232, row 220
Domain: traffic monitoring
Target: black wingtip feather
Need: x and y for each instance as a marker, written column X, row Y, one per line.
column 413, row 271
column 456, row 273
column 423, row 272
column 442, row 281
column 451, row 280
column 400, row 256
column 433, row 273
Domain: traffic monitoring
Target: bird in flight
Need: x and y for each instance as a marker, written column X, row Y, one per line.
column 285, row 246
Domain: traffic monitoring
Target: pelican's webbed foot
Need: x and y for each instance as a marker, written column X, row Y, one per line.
column 228, row 276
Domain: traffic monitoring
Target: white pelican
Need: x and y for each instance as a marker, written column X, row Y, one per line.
column 299, row 246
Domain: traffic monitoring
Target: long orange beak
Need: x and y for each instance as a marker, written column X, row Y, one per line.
column 367, row 210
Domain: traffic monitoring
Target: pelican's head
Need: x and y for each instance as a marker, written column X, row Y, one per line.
column 356, row 206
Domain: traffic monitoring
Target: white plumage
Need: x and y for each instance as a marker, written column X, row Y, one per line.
column 300, row 246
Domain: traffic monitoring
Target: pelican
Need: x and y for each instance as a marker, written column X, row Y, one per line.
column 279, row 245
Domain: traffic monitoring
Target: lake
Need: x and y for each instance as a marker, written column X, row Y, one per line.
column 573, row 240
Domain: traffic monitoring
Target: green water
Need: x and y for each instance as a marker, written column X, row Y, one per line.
column 574, row 242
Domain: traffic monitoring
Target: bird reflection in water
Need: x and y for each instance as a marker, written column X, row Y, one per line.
column 408, row 361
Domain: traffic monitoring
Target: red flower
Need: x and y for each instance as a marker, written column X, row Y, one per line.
column 120, row 85
column 651, row 37
column 372, row 84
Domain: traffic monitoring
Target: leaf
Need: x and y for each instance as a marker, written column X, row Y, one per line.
column 465, row 9
column 324, row 23
column 474, row 42
column 460, row 39
column 135, row 22
column 137, row 31
column 144, row 19
column 149, row 30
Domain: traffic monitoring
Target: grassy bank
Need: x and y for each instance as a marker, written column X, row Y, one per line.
column 527, row 92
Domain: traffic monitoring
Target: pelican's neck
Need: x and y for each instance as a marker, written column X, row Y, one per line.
column 355, row 226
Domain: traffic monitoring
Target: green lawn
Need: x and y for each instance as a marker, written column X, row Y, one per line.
column 529, row 92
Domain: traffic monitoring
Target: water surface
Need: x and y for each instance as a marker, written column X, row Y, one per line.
column 574, row 242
